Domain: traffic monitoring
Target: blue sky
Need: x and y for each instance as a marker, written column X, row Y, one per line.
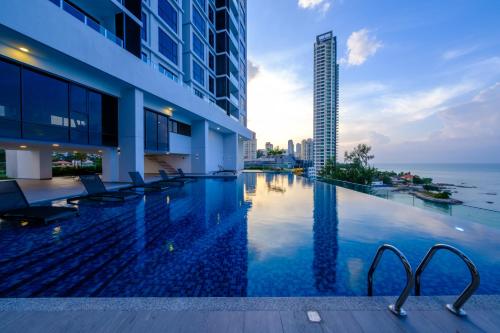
column 419, row 80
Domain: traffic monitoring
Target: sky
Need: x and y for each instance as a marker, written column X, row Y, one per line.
column 419, row 80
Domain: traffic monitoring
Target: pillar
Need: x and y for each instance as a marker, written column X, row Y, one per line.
column 29, row 164
column 110, row 167
column 131, row 133
column 199, row 147
column 230, row 156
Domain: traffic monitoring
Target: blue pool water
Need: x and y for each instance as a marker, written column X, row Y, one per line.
column 259, row 235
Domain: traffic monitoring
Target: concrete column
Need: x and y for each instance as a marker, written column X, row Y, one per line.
column 29, row 164
column 230, row 156
column 110, row 167
column 199, row 147
column 131, row 133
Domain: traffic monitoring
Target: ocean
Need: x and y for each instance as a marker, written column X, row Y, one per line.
column 478, row 186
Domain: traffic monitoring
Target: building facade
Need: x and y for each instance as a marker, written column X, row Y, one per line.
column 290, row 150
column 326, row 89
column 269, row 146
column 307, row 150
column 147, row 84
column 298, row 150
column 250, row 149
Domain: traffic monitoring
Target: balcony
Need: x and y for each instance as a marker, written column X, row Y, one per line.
column 79, row 15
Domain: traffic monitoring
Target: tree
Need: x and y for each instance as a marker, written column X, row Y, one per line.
column 360, row 155
column 275, row 151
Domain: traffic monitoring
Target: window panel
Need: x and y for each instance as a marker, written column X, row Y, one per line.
column 198, row 73
column 163, row 133
column 151, row 128
column 10, row 100
column 167, row 46
column 168, row 13
column 79, row 131
column 45, row 107
column 198, row 47
column 95, row 118
column 144, row 30
column 199, row 21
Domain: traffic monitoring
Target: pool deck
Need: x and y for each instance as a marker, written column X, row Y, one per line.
column 263, row 314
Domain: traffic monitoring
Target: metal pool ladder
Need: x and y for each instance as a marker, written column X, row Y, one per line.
column 456, row 307
column 396, row 308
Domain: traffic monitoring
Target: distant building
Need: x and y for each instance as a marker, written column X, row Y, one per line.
column 308, row 150
column 326, row 88
column 298, row 151
column 269, row 146
column 290, row 148
column 250, row 149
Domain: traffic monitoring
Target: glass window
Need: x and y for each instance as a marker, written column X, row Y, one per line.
column 167, row 46
column 211, row 84
column 198, row 21
column 45, row 107
column 198, row 47
column 211, row 61
column 151, row 127
column 168, row 13
column 163, row 133
column 211, row 14
column 144, row 30
column 201, row 3
column 95, row 118
column 198, row 73
column 144, row 57
column 79, row 130
column 211, row 38
column 10, row 100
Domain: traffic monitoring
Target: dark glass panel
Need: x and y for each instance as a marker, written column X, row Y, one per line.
column 79, row 118
column 167, row 46
column 151, row 129
column 132, row 36
column 144, row 31
column 95, row 118
column 163, row 133
column 168, row 14
column 10, row 100
column 109, row 121
column 134, row 6
column 45, row 107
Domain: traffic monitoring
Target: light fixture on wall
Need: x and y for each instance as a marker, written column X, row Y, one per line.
column 218, row 128
column 55, row 145
column 23, row 147
column 25, row 50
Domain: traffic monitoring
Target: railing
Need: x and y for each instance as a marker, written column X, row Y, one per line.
column 456, row 307
column 396, row 308
column 76, row 13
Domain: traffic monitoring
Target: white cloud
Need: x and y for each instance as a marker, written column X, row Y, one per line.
column 360, row 45
column 457, row 53
column 279, row 105
column 253, row 70
column 322, row 5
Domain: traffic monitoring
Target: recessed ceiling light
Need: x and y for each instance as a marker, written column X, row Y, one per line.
column 55, row 145
column 24, row 49
column 99, row 151
column 23, row 147
column 218, row 128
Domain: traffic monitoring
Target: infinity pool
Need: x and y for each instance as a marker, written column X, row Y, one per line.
column 259, row 235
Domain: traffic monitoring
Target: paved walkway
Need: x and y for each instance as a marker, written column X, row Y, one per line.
column 338, row 314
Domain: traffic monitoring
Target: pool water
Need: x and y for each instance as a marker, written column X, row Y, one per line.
column 261, row 234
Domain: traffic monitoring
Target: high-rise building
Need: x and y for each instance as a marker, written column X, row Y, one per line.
column 143, row 83
column 326, row 88
column 250, row 149
column 298, row 151
column 307, row 149
column 290, row 148
column 269, row 146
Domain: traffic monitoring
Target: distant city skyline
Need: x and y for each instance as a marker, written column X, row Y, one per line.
column 419, row 82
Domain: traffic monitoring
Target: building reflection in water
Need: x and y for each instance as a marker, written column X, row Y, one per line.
column 325, row 229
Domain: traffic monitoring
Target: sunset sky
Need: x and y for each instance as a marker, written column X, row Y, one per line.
column 419, row 80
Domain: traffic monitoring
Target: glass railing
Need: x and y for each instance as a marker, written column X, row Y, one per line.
column 76, row 13
column 476, row 214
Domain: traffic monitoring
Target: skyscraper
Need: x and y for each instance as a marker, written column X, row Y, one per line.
column 250, row 149
column 298, row 151
column 290, row 148
column 326, row 87
column 145, row 83
column 307, row 150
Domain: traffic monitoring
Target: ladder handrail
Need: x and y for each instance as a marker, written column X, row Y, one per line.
column 396, row 308
column 456, row 307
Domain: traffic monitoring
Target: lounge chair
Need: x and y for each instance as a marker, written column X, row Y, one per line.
column 14, row 206
column 166, row 178
column 139, row 182
column 183, row 175
column 225, row 171
column 96, row 191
